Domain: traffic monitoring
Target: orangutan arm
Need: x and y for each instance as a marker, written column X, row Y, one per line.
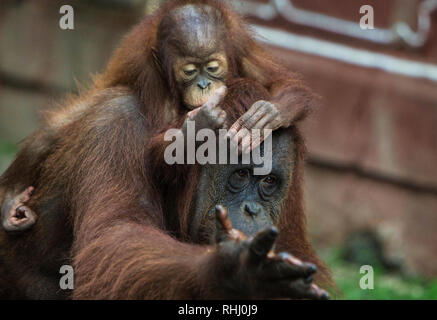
column 134, row 261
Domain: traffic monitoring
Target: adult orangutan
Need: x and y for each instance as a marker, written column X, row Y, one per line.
column 101, row 208
column 129, row 236
column 172, row 62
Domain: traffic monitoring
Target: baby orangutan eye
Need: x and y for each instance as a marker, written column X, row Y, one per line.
column 213, row 67
column 190, row 70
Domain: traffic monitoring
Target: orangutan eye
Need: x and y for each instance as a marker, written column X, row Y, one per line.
column 268, row 186
column 213, row 67
column 190, row 70
column 270, row 180
column 242, row 173
column 239, row 180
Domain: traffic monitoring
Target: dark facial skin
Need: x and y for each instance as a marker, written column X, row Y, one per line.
column 253, row 201
column 240, row 212
column 199, row 61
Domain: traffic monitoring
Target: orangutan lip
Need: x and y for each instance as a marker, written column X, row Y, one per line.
column 192, row 106
column 195, row 106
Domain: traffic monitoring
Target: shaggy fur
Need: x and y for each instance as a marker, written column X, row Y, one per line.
column 94, row 164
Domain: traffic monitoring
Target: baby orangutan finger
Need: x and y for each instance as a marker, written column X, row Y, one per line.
column 25, row 195
column 266, row 133
column 216, row 98
column 17, row 216
column 193, row 113
column 245, row 118
column 241, row 136
column 221, row 119
column 20, row 219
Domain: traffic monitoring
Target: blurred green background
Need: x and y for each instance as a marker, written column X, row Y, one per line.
column 7, row 152
column 388, row 285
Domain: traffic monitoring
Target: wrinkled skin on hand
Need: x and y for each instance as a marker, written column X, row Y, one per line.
column 255, row 270
column 262, row 115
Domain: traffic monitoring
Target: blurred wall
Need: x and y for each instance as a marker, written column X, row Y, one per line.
column 372, row 146
column 40, row 63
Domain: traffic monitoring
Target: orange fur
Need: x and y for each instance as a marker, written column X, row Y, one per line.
column 92, row 167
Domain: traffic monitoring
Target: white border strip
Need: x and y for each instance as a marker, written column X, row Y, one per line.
column 339, row 52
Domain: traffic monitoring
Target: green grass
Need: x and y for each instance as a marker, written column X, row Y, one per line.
column 387, row 285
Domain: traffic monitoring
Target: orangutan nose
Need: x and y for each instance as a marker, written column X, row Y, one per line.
column 251, row 208
column 203, row 84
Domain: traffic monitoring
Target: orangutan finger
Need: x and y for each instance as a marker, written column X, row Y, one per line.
column 246, row 119
column 216, row 98
column 223, row 218
column 25, row 195
column 262, row 243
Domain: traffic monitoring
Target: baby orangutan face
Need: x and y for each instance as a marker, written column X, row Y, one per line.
column 199, row 77
column 194, row 49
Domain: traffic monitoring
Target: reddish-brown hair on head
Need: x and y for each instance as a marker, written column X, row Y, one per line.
column 241, row 95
